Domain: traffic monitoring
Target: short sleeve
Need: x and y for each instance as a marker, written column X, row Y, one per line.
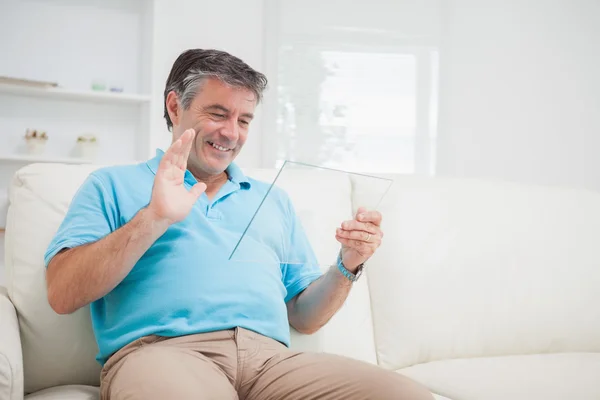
column 90, row 217
column 297, row 276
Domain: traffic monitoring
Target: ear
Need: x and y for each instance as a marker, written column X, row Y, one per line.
column 173, row 107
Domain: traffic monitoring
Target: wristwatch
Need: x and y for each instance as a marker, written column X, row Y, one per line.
column 352, row 277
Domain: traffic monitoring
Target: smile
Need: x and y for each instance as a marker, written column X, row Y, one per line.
column 216, row 146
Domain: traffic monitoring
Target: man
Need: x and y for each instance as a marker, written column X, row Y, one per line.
column 146, row 246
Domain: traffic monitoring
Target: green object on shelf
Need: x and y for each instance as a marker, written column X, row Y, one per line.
column 98, row 86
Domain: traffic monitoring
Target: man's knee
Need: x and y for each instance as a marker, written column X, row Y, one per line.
column 381, row 384
column 345, row 378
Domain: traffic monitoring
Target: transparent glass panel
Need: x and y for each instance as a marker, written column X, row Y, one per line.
column 320, row 206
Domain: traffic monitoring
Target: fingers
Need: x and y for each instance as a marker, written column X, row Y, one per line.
column 361, row 226
column 198, row 189
column 187, row 140
column 365, row 228
column 363, row 248
column 360, row 210
column 359, row 236
column 373, row 217
column 177, row 154
column 172, row 151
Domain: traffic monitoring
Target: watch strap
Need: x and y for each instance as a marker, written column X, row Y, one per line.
column 351, row 277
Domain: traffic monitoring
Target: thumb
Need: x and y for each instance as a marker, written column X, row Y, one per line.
column 198, row 189
column 360, row 211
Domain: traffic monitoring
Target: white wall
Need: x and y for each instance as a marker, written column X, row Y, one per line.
column 520, row 91
column 234, row 26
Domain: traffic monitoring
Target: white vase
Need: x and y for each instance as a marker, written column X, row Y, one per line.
column 87, row 150
column 35, row 146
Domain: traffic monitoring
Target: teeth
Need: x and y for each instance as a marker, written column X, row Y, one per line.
column 216, row 146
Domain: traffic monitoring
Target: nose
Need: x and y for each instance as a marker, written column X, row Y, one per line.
column 230, row 130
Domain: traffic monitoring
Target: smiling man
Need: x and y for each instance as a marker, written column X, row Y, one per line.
column 146, row 247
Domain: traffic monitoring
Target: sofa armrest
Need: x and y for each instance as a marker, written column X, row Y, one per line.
column 11, row 357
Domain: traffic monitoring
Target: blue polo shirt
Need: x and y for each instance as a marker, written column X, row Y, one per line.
column 185, row 283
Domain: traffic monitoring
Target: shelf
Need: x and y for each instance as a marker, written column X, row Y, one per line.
column 27, row 159
column 65, row 94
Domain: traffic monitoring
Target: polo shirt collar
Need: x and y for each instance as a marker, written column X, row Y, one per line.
column 234, row 172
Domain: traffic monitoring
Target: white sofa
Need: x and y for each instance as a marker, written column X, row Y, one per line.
column 480, row 291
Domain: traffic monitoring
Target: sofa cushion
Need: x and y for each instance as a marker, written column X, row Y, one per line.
column 438, row 397
column 60, row 350
column 478, row 269
column 531, row 377
column 68, row 392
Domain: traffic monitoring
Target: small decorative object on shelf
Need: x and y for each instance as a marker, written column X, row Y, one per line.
column 87, row 146
column 98, row 85
column 115, row 87
column 36, row 141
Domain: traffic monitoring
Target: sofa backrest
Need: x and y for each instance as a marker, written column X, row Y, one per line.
column 56, row 349
column 475, row 269
column 61, row 349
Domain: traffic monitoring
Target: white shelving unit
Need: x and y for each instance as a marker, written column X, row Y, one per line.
column 77, row 44
column 66, row 94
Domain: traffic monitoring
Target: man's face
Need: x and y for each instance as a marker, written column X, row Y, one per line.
column 220, row 115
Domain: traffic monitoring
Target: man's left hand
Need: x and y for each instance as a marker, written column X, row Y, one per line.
column 360, row 238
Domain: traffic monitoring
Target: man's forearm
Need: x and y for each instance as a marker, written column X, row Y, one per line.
column 315, row 306
column 81, row 275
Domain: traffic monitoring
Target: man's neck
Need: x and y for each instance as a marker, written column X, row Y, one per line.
column 214, row 183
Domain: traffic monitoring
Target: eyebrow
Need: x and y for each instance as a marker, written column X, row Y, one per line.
column 225, row 110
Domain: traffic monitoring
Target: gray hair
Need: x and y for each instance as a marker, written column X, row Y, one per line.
column 194, row 66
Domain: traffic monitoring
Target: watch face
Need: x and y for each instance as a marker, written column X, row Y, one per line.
column 359, row 272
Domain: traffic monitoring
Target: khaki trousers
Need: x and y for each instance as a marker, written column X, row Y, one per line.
column 241, row 364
